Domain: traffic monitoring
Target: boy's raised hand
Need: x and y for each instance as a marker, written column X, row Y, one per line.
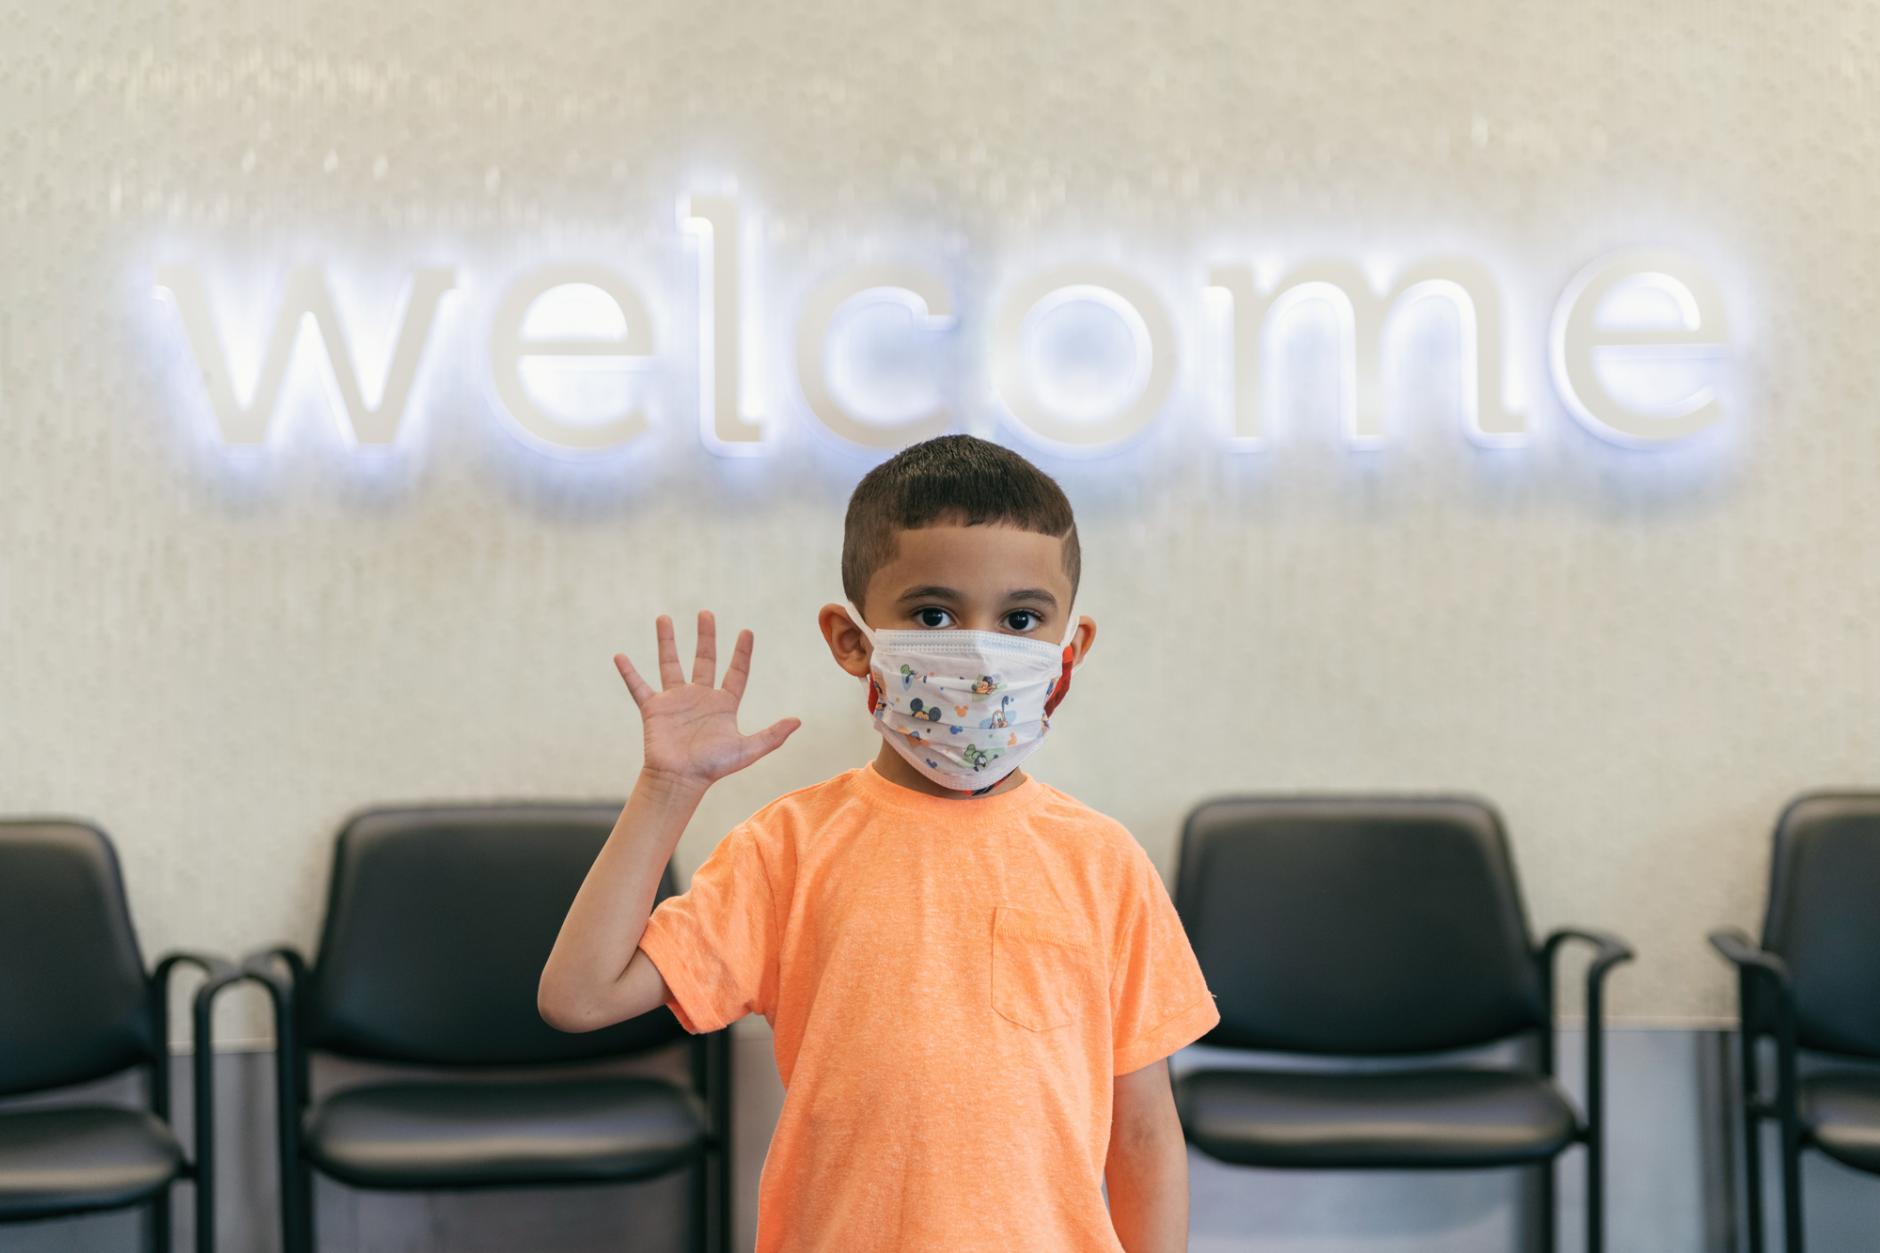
column 692, row 734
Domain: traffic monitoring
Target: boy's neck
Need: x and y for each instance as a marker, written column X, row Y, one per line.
column 893, row 767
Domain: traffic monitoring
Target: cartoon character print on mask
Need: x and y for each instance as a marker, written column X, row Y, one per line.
column 978, row 758
column 920, row 709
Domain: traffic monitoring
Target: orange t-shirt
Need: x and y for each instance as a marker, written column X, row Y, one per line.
column 953, row 986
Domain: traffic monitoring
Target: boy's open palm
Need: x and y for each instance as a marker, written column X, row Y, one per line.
column 691, row 727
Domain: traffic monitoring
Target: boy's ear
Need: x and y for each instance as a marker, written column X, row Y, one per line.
column 846, row 644
column 1083, row 638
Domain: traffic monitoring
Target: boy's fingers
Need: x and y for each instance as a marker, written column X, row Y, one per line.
column 636, row 686
column 670, row 674
column 705, row 657
column 740, row 668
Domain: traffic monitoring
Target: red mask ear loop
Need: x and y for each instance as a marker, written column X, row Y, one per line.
column 1062, row 685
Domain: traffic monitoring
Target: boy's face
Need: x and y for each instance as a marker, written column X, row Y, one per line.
column 952, row 577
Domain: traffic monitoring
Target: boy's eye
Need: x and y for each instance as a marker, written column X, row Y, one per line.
column 932, row 617
column 1021, row 620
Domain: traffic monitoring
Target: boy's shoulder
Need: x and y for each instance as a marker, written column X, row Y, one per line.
column 811, row 796
column 1105, row 834
column 811, row 805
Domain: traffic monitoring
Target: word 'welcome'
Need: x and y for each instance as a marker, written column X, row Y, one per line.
column 1689, row 326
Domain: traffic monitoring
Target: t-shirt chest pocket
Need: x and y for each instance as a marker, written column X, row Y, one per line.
column 1043, row 965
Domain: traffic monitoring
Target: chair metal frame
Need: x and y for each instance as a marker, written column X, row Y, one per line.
column 197, row 1168
column 1609, row 951
column 1754, row 966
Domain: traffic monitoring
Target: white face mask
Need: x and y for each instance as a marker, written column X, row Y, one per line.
column 964, row 707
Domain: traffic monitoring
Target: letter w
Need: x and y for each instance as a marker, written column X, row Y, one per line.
column 306, row 295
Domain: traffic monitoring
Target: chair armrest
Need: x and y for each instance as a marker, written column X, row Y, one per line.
column 210, row 964
column 1750, row 961
column 265, row 966
column 1608, row 951
column 158, row 988
column 260, row 963
column 1754, row 964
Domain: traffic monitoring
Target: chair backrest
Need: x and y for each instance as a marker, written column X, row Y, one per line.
column 439, row 920
column 74, row 997
column 1824, row 919
column 1358, row 925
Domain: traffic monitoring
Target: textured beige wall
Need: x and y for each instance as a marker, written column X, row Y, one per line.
column 1639, row 656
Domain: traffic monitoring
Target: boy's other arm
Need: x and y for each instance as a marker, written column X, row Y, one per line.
column 1147, row 1171
column 596, row 974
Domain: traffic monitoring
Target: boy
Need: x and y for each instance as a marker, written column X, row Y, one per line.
column 973, row 980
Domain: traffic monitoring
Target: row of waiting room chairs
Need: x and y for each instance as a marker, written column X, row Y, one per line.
column 1338, row 926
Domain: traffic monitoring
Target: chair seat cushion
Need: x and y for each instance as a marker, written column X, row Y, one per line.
column 461, row 1134
column 1842, row 1114
column 1422, row 1119
column 73, row 1159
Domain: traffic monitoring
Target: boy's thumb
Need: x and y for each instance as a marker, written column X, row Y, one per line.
column 776, row 733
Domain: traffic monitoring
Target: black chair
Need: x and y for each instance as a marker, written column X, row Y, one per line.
column 1813, row 985
column 77, row 1006
column 1379, row 927
column 439, row 919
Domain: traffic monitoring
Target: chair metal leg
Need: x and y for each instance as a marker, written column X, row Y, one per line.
column 1791, row 1185
column 296, row 1201
column 1748, row 1086
column 1549, row 1216
column 699, row 1178
column 713, row 1077
column 725, row 1168
column 301, row 1237
column 1595, row 1195
column 296, row 1175
column 157, row 1223
column 1752, row 1180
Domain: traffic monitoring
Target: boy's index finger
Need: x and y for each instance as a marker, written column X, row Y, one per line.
column 670, row 673
column 740, row 668
column 705, row 657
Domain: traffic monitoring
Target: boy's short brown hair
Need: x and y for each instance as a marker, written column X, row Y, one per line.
column 950, row 478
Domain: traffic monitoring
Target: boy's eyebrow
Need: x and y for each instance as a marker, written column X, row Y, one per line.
column 928, row 591
column 934, row 591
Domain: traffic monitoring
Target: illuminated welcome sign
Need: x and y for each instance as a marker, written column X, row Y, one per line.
column 554, row 328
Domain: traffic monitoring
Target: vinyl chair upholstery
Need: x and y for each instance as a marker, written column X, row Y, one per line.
column 439, row 919
column 1379, row 927
column 1813, row 987
column 77, row 1006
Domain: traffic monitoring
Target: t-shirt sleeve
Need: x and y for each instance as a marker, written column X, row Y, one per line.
column 715, row 944
column 1159, row 998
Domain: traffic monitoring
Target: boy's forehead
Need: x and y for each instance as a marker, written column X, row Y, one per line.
column 986, row 560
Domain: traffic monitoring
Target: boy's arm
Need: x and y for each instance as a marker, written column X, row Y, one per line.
column 596, row 974
column 1146, row 1174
